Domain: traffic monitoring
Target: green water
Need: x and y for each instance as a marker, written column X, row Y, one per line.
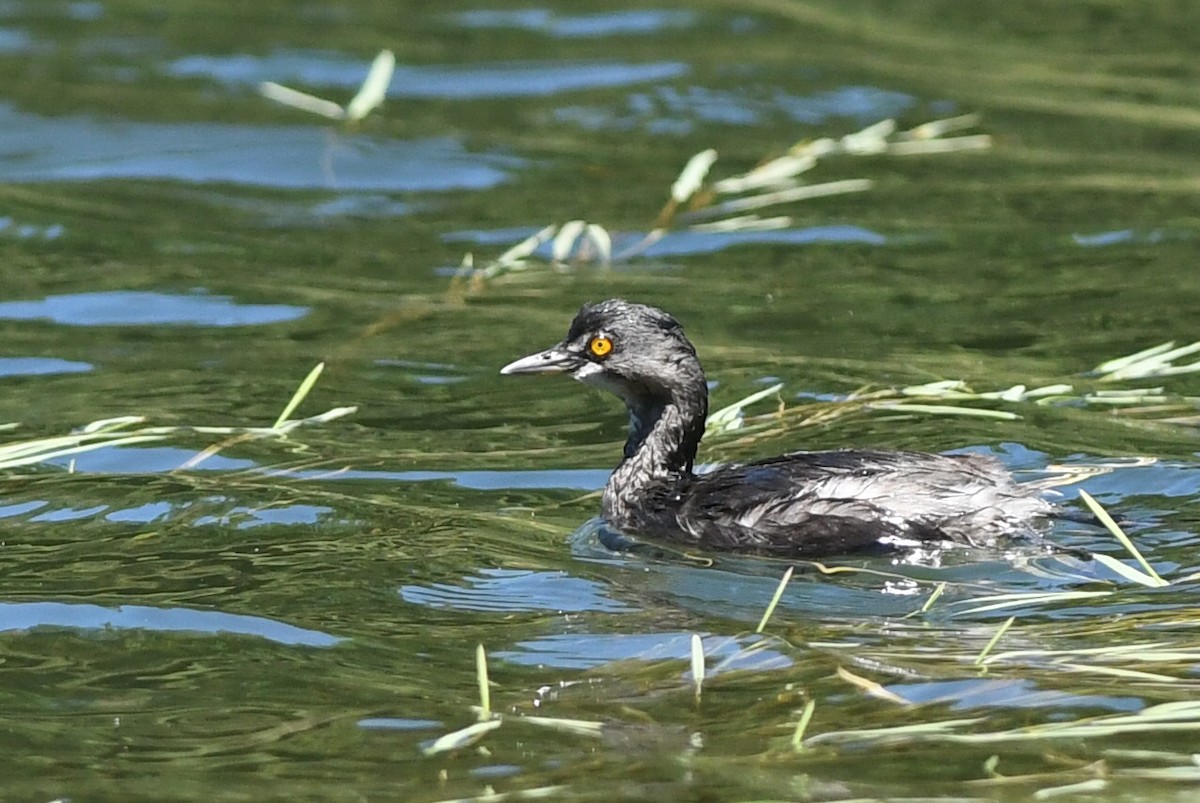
column 297, row 617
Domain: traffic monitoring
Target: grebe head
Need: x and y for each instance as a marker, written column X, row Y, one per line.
column 633, row 350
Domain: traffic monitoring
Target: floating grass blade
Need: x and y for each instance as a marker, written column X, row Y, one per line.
column 937, row 128
column 1099, row 512
column 999, row 602
column 871, row 140
column 1168, row 356
column 512, row 258
column 785, row 196
column 299, row 395
column 916, row 147
column 944, row 409
column 783, row 581
column 1071, row 789
column 1181, row 716
column 461, row 738
column 374, row 88
column 1048, row 390
column 697, row 664
column 601, row 240
column 537, row 793
column 870, row 687
column 579, row 727
column 301, row 100
column 1154, row 361
column 568, row 234
column 109, row 424
column 1119, row 672
column 728, row 418
column 1128, row 572
column 369, row 96
column 938, row 590
column 743, row 223
column 692, row 175
column 768, row 174
column 1114, row 365
column 943, row 388
column 899, row 733
column 802, row 726
column 994, row 639
column 481, row 676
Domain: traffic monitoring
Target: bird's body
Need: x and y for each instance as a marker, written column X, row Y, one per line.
column 801, row 504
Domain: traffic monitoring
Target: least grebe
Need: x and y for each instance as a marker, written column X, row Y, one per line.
column 801, row 504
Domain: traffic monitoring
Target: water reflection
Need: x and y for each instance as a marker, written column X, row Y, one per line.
column 399, row 724
column 18, row 616
column 145, row 308
column 515, row 590
column 40, row 366
column 430, row 373
column 671, row 110
column 14, row 40
column 77, row 148
column 460, row 82
column 29, row 231
column 589, row 650
column 1007, row 693
column 164, row 459
column 571, row 26
column 689, row 242
column 1129, row 237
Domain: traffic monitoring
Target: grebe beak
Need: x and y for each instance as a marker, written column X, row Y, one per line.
column 554, row 360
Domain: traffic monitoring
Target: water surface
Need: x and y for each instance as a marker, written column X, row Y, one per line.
column 198, row 607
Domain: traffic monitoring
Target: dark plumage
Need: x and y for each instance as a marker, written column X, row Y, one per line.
column 802, row 504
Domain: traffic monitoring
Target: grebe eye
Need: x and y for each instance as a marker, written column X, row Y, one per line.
column 600, row 346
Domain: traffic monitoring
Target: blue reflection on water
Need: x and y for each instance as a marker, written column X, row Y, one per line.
column 515, row 590
column 78, row 148
column 570, row 26
column 471, row 81
column 588, row 650
column 143, row 308
column 1006, row 693
column 13, row 40
column 399, row 724
column 1124, row 236
column 20, row 508
column 229, row 514
column 162, row 459
column 85, row 10
column 683, row 243
column 68, row 514
column 672, row 110
column 30, row 231
column 29, row 615
column 39, row 366
column 147, row 460
column 360, row 206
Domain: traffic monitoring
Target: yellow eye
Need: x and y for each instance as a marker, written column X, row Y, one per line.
column 600, row 346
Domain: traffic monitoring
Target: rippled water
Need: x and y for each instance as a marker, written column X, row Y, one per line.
column 196, row 607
